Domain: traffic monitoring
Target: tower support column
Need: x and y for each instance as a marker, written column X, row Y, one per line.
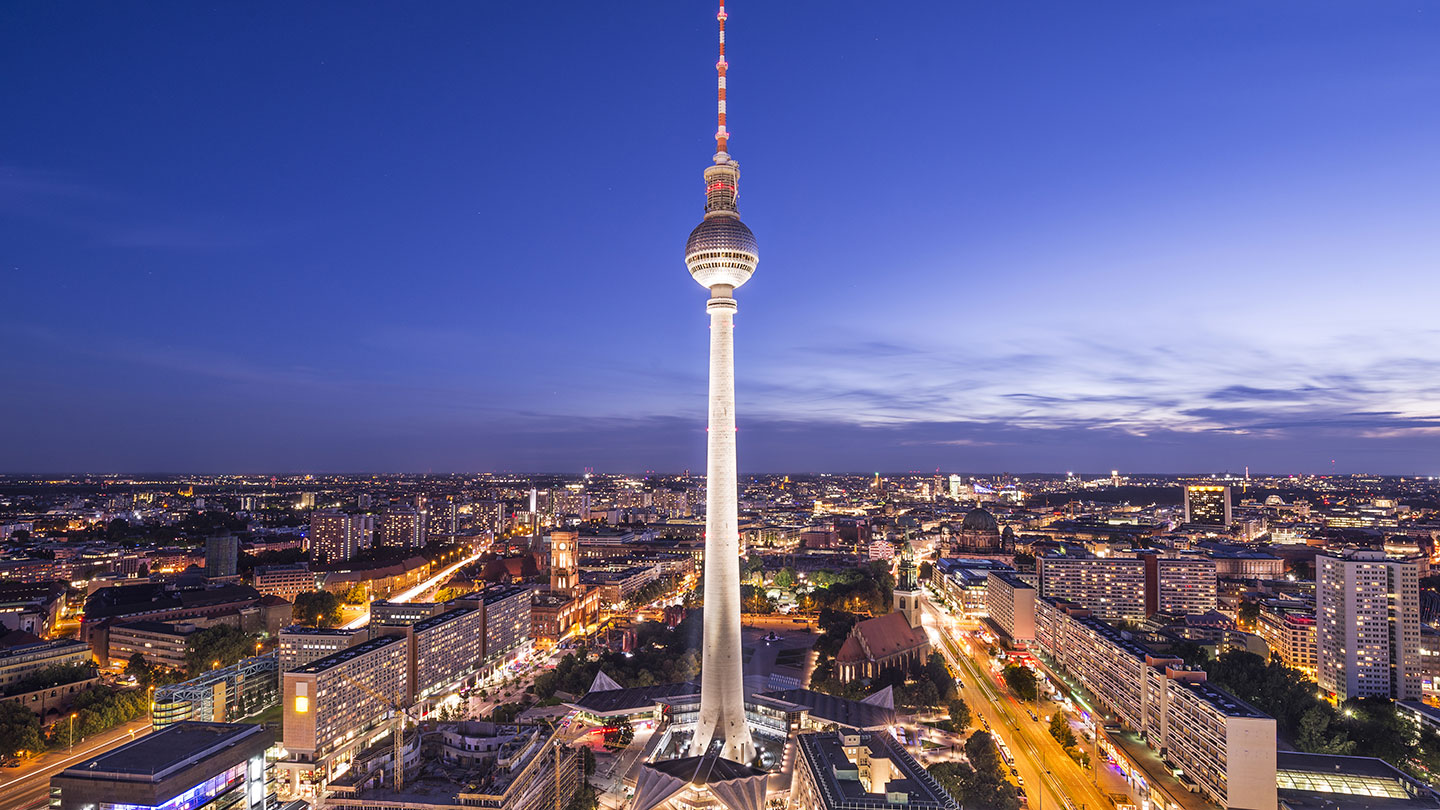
column 722, row 687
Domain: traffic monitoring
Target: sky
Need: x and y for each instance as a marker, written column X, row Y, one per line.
column 448, row 236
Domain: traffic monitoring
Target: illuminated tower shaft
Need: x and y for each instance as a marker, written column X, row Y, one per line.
column 721, row 255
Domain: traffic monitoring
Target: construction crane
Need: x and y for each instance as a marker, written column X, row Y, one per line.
column 401, row 713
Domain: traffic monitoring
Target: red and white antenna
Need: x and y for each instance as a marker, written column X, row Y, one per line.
column 722, row 137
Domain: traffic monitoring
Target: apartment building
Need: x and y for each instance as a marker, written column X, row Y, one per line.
column 337, row 536
column 1367, row 616
column 334, row 707
column 1288, row 628
column 1181, row 586
column 299, row 646
column 1224, row 745
column 507, row 623
column 445, row 651
column 1010, row 604
column 1112, row 587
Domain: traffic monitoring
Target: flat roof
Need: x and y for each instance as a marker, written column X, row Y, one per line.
column 335, row 659
column 634, row 699
column 838, row 778
column 155, row 755
column 846, row 712
column 447, row 616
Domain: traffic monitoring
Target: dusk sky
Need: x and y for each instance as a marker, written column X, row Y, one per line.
column 448, row 236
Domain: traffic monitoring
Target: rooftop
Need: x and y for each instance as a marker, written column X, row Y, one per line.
column 843, row 711
column 838, row 779
column 345, row 656
column 155, row 756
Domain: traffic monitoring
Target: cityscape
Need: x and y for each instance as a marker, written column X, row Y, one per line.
column 530, row 595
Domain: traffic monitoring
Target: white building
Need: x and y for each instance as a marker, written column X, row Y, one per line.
column 1010, row 603
column 1367, row 622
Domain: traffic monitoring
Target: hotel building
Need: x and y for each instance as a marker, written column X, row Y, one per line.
column 1225, row 746
column 336, row 706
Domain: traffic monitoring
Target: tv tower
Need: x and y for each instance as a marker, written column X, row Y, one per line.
column 721, row 254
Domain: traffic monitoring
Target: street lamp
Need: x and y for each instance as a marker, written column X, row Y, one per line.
column 72, row 730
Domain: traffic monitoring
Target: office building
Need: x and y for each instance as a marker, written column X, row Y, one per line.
column 338, row 536
column 299, row 646
column 1288, row 628
column 334, row 706
column 187, row 765
column 401, row 527
column 1367, row 623
column 222, row 556
column 223, row 695
column 1207, row 504
column 285, row 581
column 1010, row 605
column 1112, row 587
column 1225, row 746
column 23, row 660
column 862, row 770
column 162, row 645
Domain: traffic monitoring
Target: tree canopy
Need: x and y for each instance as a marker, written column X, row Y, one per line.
column 317, row 609
column 1022, row 682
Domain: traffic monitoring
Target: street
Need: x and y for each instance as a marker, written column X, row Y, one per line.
column 1050, row 776
column 28, row 786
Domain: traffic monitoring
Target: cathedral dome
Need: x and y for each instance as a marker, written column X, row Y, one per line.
column 979, row 520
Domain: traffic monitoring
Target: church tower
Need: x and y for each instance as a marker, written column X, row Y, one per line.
column 907, row 587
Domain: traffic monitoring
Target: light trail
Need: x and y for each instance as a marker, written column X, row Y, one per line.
column 406, row 595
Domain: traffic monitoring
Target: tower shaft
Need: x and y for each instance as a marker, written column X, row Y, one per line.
column 722, row 692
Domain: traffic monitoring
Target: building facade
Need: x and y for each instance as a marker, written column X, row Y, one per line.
column 285, row 581
column 299, row 646
column 1224, row 745
column 1207, row 504
column 1010, row 605
column 1288, row 628
column 1112, row 587
column 222, row 695
column 1367, row 619
column 338, row 536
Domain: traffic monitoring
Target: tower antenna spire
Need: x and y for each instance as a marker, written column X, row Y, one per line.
column 722, row 138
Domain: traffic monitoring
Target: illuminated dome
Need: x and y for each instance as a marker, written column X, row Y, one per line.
column 721, row 250
column 979, row 520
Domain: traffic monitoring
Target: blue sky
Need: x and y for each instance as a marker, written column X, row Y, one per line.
column 447, row 236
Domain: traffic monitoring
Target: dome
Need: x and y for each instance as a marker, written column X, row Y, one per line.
column 721, row 250
column 979, row 520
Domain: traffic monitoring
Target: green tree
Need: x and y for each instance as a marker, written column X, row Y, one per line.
column 1060, row 730
column 218, row 646
column 1248, row 613
column 959, row 713
column 785, row 578
column 982, row 783
column 927, row 571
column 355, row 595
column 938, row 673
column 317, row 609
column 1021, row 681
column 19, row 729
column 139, row 669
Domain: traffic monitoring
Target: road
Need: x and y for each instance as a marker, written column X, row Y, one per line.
column 29, row 785
column 1052, row 779
column 406, row 595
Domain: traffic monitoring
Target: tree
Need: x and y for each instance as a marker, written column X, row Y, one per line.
column 139, row 669
column 587, row 760
column 785, row 578
column 218, row 646
column 938, row 673
column 356, row 595
column 982, row 783
column 959, row 713
column 19, row 729
column 1060, row 730
column 927, row 570
column 1248, row 613
column 317, row 609
column 1021, row 681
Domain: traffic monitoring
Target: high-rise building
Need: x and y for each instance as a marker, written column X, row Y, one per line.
column 1010, row 605
column 1112, row 587
column 299, row 645
column 222, row 556
column 956, row 482
column 721, row 255
column 1367, row 623
column 1179, row 586
column 1207, row 504
column 402, row 528
column 337, row 536
column 1288, row 628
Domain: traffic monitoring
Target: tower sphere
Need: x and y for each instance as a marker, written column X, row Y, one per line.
column 721, row 250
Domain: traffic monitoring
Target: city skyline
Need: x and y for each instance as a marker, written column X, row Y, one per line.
column 992, row 241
